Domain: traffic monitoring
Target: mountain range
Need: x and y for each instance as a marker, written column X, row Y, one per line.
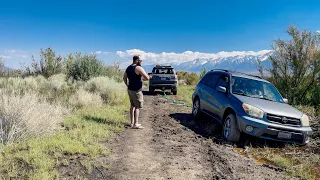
column 243, row 63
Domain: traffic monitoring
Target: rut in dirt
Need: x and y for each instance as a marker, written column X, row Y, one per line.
column 174, row 146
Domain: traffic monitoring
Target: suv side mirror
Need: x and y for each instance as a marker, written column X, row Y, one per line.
column 285, row 100
column 222, row 89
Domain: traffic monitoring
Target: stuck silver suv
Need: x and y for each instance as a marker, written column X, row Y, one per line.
column 249, row 104
column 163, row 78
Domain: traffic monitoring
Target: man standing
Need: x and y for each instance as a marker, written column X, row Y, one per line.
column 134, row 74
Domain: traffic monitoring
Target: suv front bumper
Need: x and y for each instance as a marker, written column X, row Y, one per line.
column 267, row 130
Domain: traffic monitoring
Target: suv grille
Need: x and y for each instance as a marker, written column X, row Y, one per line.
column 283, row 120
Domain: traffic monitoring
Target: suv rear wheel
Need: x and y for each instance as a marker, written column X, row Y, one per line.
column 174, row 92
column 230, row 131
column 151, row 90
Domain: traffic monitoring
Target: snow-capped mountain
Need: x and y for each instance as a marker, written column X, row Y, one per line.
column 241, row 63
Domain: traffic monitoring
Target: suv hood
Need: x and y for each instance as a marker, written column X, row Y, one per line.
column 271, row 107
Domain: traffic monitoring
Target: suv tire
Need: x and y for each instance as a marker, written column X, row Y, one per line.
column 230, row 131
column 174, row 92
column 151, row 90
column 196, row 110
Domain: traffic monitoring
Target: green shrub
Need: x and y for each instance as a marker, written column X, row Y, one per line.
column 85, row 67
column 203, row 72
column 49, row 64
column 192, row 79
column 110, row 91
column 296, row 67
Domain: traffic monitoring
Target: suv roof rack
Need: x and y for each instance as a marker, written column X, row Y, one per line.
column 257, row 76
column 220, row 70
column 163, row 66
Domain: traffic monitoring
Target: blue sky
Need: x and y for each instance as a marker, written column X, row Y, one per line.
column 150, row 27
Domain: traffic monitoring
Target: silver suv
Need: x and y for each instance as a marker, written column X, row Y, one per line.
column 248, row 104
column 163, row 77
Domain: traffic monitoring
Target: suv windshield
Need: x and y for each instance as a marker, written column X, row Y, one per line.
column 254, row 88
column 163, row 71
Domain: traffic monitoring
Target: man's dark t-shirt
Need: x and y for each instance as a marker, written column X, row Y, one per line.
column 135, row 83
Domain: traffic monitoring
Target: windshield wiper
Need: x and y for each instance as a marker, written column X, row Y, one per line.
column 241, row 93
column 266, row 98
column 259, row 97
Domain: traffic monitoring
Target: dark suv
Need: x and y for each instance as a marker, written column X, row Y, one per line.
column 163, row 77
column 248, row 104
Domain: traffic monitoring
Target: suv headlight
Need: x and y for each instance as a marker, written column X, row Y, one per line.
column 253, row 111
column 305, row 120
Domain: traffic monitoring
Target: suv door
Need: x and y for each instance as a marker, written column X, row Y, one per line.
column 209, row 82
column 220, row 99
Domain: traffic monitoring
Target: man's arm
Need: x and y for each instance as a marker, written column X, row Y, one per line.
column 143, row 73
column 125, row 79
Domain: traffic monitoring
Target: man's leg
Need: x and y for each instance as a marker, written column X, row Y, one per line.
column 132, row 114
column 136, row 116
column 139, row 105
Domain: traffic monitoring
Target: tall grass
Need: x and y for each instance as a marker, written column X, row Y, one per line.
column 84, row 98
column 33, row 109
column 109, row 89
column 22, row 117
column 33, row 106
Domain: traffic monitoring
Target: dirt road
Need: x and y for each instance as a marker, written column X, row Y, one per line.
column 174, row 146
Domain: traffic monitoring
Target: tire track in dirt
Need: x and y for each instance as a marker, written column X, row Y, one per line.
column 174, row 146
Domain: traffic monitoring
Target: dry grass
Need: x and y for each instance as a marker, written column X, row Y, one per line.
column 25, row 116
column 297, row 162
column 111, row 91
column 41, row 158
column 35, row 106
column 83, row 98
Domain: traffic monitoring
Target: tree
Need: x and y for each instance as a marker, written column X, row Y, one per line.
column 85, row 67
column 49, row 64
column 296, row 64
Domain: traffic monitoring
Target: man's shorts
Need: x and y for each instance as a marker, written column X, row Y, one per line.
column 136, row 99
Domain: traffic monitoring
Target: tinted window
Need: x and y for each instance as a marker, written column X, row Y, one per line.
column 223, row 81
column 205, row 79
column 163, row 71
column 213, row 80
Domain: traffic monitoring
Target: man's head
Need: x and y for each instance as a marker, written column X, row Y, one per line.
column 137, row 60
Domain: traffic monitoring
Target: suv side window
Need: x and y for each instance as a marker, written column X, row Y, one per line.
column 205, row 79
column 223, row 81
column 213, row 80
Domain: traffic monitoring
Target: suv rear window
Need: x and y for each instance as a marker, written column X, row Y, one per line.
column 163, row 71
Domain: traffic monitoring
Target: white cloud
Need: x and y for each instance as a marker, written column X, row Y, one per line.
column 13, row 51
column 100, row 52
column 24, row 56
column 318, row 31
column 172, row 57
column 5, row 57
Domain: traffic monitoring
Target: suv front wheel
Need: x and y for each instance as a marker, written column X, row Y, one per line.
column 230, row 131
column 196, row 110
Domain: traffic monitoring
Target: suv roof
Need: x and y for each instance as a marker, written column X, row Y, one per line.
column 241, row 74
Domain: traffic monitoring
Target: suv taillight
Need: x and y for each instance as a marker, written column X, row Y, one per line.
column 173, row 77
